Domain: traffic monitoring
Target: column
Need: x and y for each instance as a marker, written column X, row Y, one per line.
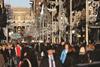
column 70, row 40
column 87, row 22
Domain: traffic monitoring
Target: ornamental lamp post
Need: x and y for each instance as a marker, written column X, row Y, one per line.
column 70, row 40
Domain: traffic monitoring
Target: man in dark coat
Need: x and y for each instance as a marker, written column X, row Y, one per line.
column 26, row 63
column 28, row 52
column 2, row 61
column 50, row 60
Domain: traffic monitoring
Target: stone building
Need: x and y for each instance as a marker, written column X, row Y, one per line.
column 1, row 3
column 3, row 17
column 21, row 20
column 3, row 20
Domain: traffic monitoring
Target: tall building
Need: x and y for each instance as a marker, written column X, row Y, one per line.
column 3, row 20
column 8, row 11
column 1, row 3
column 3, row 17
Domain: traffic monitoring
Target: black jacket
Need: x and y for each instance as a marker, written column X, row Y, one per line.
column 30, row 55
column 45, row 62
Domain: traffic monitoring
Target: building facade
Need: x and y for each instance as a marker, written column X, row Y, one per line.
column 2, row 3
column 3, row 20
column 21, row 20
column 3, row 16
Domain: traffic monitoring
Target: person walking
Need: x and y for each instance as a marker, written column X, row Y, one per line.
column 67, row 56
column 2, row 60
column 29, row 54
column 50, row 60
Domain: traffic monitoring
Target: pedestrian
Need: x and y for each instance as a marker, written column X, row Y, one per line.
column 59, row 48
column 83, row 57
column 29, row 53
column 67, row 56
column 40, row 48
column 4, row 52
column 18, row 50
column 11, row 54
column 2, row 60
column 25, row 63
column 50, row 60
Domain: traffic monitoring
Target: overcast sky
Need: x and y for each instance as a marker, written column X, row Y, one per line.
column 18, row 3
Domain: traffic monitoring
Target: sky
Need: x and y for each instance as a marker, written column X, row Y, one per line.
column 18, row 3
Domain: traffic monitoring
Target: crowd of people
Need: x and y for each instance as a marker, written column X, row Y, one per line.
column 45, row 54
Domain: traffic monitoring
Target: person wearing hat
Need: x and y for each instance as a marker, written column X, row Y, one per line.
column 50, row 60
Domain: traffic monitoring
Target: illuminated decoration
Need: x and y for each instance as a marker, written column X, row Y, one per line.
column 15, row 36
column 42, row 10
column 73, row 31
column 54, row 9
